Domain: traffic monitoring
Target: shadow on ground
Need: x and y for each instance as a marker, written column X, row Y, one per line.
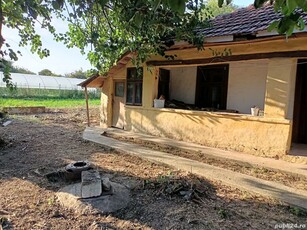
column 51, row 141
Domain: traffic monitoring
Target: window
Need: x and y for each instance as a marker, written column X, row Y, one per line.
column 134, row 86
column 119, row 89
column 211, row 88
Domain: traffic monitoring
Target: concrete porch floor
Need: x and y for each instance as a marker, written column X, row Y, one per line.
column 298, row 150
column 276, row 190
column 258, row 161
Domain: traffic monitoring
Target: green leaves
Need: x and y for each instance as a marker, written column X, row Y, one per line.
column 177, row 5
column 156, row 4
column 220, row 3
column 292, row 19
column 103, row 3
column 273, row 26
column 288, row 24
column 111, row 27
column 259, row 3
column 57, row 4
column 291, row 5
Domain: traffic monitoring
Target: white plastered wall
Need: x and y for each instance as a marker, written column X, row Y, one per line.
column 247, row 85
column 183, row 84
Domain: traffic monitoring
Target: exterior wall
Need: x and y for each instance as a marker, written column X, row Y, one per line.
column 105, row 109
column 273, row 79
column 259, row 135
column 280, row 81
column 183, row 84
column 150, row 79
column 246, row 85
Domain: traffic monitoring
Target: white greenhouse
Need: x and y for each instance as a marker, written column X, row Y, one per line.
column 32, row 81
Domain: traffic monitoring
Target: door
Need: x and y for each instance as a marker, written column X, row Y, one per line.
column 163, row 86
column 300, row 105
column 212, row 85
column 118, row 119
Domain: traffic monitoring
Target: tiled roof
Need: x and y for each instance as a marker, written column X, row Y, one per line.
column 243, row 21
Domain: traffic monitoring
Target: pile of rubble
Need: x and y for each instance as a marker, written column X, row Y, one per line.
column 94, row 194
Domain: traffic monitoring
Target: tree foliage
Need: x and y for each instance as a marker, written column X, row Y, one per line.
column 213, row 8
column 148, row 27
column 291, row 10
column 47, row 72
column 81, row 74
column 16, row 69
column 106, row 29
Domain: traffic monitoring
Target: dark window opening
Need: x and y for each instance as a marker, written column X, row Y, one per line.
column 244, row 37
column 163, row 86
column 134, row 86
column 211, row 87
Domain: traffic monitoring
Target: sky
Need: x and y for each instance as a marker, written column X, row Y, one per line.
column 61, row 60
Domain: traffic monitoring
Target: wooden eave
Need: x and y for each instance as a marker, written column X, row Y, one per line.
column 231, row 58
column 95, row 81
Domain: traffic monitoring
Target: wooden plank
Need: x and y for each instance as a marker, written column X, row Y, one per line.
column 87, row 109
column 219, row 59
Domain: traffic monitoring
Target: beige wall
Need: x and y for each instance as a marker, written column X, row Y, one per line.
column 280, row 81
column 246, row 85
column 258, row 135
column 183, row 84
column 105, row 106
column 267, row 84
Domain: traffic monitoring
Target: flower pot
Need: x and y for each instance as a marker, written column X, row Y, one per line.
column 255, row 111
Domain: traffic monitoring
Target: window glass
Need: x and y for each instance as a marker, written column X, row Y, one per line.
column 119, row 89
column 131, row 73
column 134, row 86
column 130, row 90
column 138, row 93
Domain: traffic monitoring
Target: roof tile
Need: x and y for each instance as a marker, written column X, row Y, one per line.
column 243, row 21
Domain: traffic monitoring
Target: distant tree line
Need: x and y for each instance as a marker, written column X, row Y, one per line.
column 81, row 74
column 16, row 69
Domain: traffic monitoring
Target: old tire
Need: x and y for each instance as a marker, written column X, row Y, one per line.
column 74, row 170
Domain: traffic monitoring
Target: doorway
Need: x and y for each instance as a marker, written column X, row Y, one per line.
column 118, row 115
column 299, row 134
column 211, row 86
column 163, row 85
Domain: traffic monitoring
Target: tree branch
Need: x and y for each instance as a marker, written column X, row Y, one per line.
column 1, row 22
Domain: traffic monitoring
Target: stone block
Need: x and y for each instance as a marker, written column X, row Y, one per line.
column 91, row 184
column 106, row 185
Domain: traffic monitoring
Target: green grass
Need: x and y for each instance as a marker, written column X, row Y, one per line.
column 25, row 93
column 49, row 103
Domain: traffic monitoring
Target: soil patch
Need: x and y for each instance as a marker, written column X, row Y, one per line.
column 46, row 142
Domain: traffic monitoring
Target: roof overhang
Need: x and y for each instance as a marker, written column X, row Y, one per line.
column 95, row 81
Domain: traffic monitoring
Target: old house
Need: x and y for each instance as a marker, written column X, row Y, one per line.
column 209, row 97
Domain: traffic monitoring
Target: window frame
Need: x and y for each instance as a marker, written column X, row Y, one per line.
column 135, row 81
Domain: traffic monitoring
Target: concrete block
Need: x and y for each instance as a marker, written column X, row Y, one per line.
column 106, row 185
column 91, row 184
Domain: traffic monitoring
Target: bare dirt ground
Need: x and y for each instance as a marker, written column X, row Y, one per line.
column 52, row 140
